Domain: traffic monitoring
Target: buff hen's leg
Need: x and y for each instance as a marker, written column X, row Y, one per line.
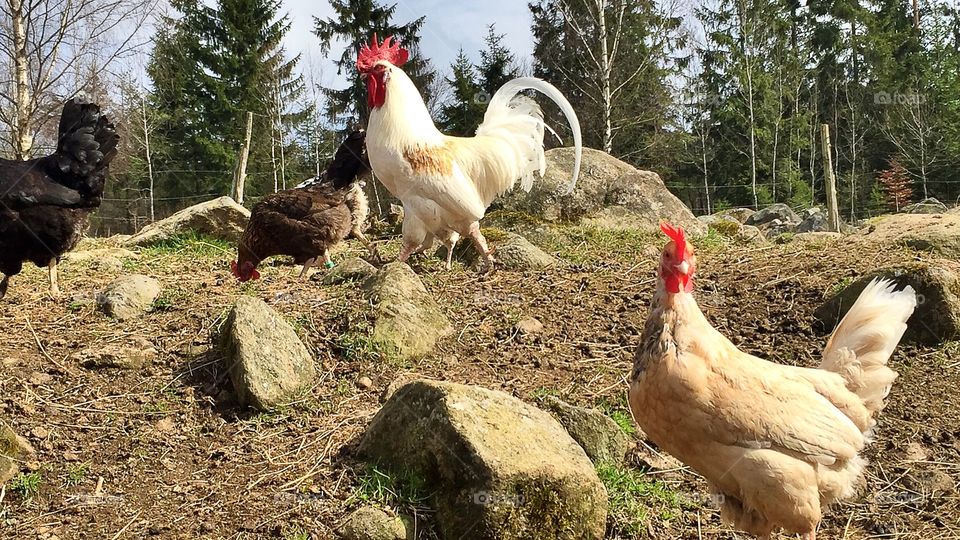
column 486, row 253
column 54, row 281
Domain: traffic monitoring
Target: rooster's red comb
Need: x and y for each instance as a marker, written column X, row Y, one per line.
column 375, row 51
column 676, row 234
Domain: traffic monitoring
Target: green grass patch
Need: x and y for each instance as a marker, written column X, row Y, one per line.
column 715, row 238
column 76, row 474
column 27, row 485
column 619, row 411
column 588, row 244
column 635, row 499
column 378, row 486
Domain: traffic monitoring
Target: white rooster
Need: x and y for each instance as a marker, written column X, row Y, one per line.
column 446, row 183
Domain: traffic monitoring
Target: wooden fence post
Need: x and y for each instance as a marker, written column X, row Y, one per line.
column 240, row 174
column 830, row 181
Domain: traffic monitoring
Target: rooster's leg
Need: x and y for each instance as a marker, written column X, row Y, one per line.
column 406, row 252
column 450, row 244
column 306, row 266
column 52, row 273
column 3, row 285
column 481, row 243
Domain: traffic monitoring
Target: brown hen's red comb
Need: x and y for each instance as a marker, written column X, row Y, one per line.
column 375, row 51
column 676, row 234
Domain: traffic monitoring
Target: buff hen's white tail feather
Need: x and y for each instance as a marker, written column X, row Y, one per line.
column 519, row 120
column 864, row 340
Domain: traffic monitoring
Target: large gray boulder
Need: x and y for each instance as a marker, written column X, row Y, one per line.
column 127, row 297
column 926, row 206
column 609, row 193
column 937, row 317
column 220, row 218
column 775, row 212
column 268, row 363
column 813, row 220
column 498, row 469
column 408, row 322
column 936, row 233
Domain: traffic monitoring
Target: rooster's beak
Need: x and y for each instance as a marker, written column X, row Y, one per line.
column 683, row 268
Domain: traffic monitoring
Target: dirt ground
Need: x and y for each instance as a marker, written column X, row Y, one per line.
column 164, row 452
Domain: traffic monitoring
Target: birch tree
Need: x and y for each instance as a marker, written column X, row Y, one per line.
column 46, row 47
column 600, row 52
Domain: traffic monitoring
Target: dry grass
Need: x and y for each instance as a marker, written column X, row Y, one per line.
column 165, row 452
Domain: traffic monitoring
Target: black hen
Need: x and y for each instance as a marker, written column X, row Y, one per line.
column 306, row 221
column 45, row 202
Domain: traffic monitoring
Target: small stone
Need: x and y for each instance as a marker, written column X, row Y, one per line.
column 39, row 379
column 128, row 297
column 599, row 436
column 70, row 456
column 164, row 425
column 136, row 353
column 529, row 326
column 40, row 433
column 364, row 383
column 408, row 322
column 915, row 452
column 371, row 523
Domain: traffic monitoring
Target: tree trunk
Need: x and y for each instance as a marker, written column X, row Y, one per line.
column 146, row 144
column 833, row 212
column 22, row 136
column 240, row 175
column 605, row 73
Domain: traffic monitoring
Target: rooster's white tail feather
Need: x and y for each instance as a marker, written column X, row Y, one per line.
column 866, row 337
column 520, row 120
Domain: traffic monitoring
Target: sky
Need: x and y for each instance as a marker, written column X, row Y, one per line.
column 450, row 24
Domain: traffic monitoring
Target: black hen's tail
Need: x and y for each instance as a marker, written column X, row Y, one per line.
column 86, row 146
column 349, row 161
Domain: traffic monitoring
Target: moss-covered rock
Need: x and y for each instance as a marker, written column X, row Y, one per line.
column 353, row 269
column 609, row 193
column 13, row 450
column 937, row 317
column 371, row 523
column 408, row 322
column 220, row 218
column 268, row 363
column 497, row 467
column 599, row 436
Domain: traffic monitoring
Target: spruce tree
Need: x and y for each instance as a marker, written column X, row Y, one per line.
column 355, row 22
column 464, row 111
column 497, row 63
column 209, row 68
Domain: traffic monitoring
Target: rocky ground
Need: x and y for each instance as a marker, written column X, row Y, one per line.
column 153, row 443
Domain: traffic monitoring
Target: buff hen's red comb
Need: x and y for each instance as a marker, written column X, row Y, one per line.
column 375, row 51
column 676, row 234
